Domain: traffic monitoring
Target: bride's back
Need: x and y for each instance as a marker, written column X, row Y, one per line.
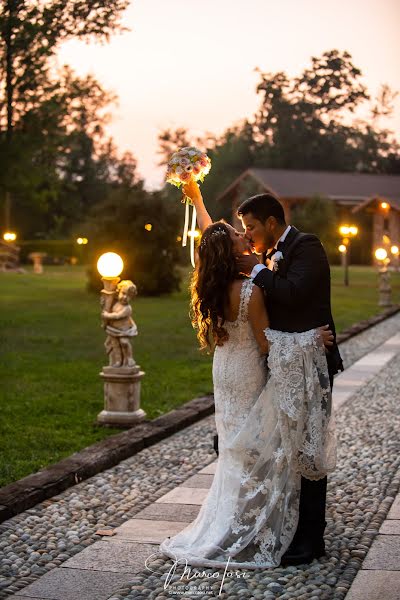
column 231, row 310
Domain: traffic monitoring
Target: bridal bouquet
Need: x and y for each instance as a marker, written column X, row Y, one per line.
column 186, row 164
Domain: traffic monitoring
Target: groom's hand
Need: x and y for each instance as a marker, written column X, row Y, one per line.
column 246, row 262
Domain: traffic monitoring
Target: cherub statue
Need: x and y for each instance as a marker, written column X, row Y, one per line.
column 120, row 326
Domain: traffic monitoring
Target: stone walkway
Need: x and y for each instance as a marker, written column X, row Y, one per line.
column 52, row 551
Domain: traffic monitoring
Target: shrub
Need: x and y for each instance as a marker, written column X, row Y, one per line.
column 151, row 257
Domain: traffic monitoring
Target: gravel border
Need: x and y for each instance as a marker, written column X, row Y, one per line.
column 29, row 491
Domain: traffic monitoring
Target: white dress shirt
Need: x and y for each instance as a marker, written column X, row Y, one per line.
column 260, row 267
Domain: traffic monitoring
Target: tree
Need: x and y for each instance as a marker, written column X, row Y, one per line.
column 30, row 35
column 318, row 216
column 142, row 227
column 302, row 123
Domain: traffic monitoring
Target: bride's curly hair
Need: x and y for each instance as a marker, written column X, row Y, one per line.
column 215, row 270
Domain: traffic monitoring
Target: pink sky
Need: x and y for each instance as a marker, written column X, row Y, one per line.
column 191, row 64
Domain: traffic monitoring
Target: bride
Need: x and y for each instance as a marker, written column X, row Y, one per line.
column 270, row 420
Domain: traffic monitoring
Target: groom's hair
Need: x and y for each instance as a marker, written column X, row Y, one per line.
column 263, row 206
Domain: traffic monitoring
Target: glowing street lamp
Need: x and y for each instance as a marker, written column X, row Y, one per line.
column 347, row 232
column 82, row 241
column 380, row 254
column 110, row 265
column 9, row 236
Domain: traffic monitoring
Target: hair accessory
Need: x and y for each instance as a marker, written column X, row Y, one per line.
column 216, row 232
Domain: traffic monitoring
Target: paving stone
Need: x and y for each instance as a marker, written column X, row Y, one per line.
column 394, row 512
column 119, row 557
column 201, row 480
column 28, row 598
column 185, row 495
column 390, row 527
column 159, row 511
column 374, row 585
column 75, row 584
column 145, row 531
column 210, row 469
column 384, row 554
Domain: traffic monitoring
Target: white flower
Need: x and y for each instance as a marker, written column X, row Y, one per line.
column 178, row 170
column 275, row 258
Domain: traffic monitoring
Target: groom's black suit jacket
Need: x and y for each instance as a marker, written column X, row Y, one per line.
column 298, row 294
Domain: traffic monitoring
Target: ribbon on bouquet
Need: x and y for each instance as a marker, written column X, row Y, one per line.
column 188, row 164
column 192, row 230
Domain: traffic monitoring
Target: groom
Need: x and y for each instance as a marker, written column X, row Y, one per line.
column 295, row 275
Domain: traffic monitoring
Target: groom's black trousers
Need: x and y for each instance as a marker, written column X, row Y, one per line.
column 312, row 497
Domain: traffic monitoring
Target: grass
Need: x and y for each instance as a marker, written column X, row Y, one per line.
column 51, row 348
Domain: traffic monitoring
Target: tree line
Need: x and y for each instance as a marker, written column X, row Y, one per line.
column 61, row 173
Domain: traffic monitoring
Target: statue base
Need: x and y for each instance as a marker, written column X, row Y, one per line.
column 121, row 396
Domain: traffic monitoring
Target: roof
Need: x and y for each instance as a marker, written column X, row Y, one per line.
column 342, row 187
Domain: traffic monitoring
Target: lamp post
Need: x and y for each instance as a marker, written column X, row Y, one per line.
column 122, row 376
column 385, row 289
column 347, row 231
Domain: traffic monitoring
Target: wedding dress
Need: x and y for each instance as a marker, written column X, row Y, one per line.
column 274, row 425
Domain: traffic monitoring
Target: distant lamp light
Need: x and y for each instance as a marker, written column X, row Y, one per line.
column 342, row 248
column 9, row 236
column 82, row 241
column 110, row 265
column 380, row 254
column 385, row 239
column 384, row 205
column 353, row 230
column 344, row 230
column 148, row 227
column 194, row 233
column 395, row 250
column 179, row 238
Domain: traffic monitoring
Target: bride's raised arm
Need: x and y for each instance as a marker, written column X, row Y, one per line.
column 192, row 191
column 258, row 318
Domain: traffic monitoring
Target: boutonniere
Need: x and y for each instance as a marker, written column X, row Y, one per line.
column 275, row 258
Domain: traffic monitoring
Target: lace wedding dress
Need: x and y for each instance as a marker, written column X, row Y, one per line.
column 274, row 426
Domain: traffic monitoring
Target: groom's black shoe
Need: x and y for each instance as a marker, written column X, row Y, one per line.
column 303, row 552
column 306, row 545
column 216, row 444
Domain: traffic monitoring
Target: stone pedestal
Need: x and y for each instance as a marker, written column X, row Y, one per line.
column 385, row 289
column 37, row 259
column 121, row 396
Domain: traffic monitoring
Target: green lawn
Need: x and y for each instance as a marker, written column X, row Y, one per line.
column 51, row 347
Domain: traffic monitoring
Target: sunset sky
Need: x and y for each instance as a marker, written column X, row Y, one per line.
column 191, row 64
